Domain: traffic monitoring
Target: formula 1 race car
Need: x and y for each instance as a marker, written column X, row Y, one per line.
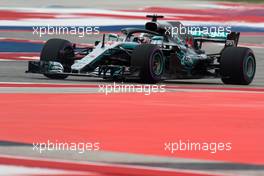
column 151, row 54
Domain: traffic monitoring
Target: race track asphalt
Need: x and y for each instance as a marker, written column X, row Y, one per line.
column 14, row 71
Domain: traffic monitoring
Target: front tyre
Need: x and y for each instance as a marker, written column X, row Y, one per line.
column 237, row 65
column 58, row 50
column 150, row 61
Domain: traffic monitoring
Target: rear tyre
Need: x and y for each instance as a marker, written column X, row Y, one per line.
column 148, row 58
column 237, row 66
column 58, row 50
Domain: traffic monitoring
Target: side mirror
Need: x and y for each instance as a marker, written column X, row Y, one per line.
column 96, row 43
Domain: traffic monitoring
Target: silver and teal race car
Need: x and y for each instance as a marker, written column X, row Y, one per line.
column 151, row 55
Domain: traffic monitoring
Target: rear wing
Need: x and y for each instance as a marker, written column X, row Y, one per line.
column 229, row 39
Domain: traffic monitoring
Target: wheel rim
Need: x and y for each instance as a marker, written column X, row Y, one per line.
column 250, row 66
column 157, row 64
